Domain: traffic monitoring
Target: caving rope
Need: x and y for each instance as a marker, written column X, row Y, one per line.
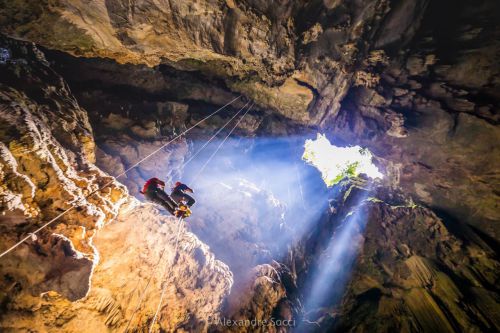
column 141, row 298
column 165, row 274
column 220, row 145
column 164, row 288
column 74, row 202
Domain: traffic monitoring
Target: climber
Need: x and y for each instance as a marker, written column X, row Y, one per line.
column 179, row 194
column 153, row 190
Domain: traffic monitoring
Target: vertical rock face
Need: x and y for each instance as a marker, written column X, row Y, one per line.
column 380, row 263
column 413, row 80
column 430, row 112
column 47, row 151
column 416, row 273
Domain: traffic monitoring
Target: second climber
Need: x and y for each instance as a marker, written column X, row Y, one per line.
column 180, row 193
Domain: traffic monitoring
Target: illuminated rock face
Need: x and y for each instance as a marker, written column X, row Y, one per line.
column 47, row 151
column 411, row 271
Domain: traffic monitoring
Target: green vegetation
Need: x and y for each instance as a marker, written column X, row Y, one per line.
column 337, row 163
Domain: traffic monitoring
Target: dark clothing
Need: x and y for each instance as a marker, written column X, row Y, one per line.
column 153, row 191
column 160, row 197
column 179, row 193
column 183, row 188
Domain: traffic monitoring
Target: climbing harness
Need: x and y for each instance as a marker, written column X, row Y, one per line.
column 183, row 209
column 162, row 295
column 72, row 203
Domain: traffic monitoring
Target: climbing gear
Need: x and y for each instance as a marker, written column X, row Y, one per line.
column 182, row 211
column 180, row 219
column 178, row 192
column 72, row 203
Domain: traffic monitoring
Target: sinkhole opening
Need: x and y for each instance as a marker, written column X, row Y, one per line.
column 336, row 163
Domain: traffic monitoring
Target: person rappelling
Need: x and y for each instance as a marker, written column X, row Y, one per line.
column 178, row 203
column 179, row 194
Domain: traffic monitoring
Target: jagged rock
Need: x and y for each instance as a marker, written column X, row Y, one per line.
column 128, row 262
column 255, row 47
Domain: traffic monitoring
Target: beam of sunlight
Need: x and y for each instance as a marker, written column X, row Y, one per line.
column 336, row 163
column 256, row 193
column 333, row 268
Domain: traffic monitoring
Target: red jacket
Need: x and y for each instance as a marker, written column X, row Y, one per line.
column 154, row 182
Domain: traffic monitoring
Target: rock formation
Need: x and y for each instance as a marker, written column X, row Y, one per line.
column 87, row 89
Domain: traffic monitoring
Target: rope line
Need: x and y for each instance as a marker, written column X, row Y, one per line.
column 72, row 203
column 213, row 136
column 141, row 298
column 220, row 145
column 164, row 288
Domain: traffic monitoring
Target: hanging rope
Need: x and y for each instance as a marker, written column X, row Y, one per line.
column 220, row 145
column 165, row 274
column 164, row 288
column 213, row 136
column 141, row 298
column 72, row 203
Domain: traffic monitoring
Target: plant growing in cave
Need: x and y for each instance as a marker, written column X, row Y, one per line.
column 337, row 163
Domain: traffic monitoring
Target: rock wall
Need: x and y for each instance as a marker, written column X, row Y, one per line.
column 414, row 81
column 380, row 263
column 47, row 151
column 430, row 113
column 81, row 272
column 134, row 268
column 295, row 57
column 415, row 272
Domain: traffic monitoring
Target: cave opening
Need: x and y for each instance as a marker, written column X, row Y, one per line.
column 336, row 163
